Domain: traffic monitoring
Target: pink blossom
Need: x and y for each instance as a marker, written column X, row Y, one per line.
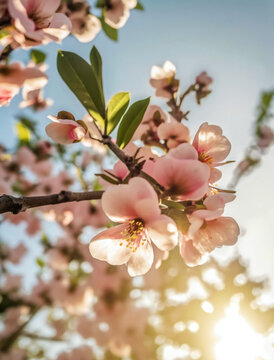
column 35, row 99
column 216, row 233
column 208, row 229
column 85, row 26
column 65, row 131
column 85, row 29
column 118, row 12
column 38, row 21
column 214, row 206
column 266, row 136
column 15, row 76
column 163, row 79
column 185, row 179
column 174, row 133
column 204, row 80
column 212, row 147
column 136, row 206
column 147, row 130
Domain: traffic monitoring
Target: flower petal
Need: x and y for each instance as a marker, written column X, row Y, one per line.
column 59, row 133
column 184, row 151
column 147, row 209
column 140, row 262
column 189, row 253
column 219, row 232
column 119, row 201
column 186, row 179
column 163, row 232
column 209, row 139
column 215, row 175
column 106, row 246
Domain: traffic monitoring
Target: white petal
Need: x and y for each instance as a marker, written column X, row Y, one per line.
column 163, row 232
column 140, row 262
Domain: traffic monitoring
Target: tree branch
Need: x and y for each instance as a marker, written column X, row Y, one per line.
column 40, row 337
column 9, row 203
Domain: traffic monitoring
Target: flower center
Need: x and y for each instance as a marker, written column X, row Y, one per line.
column 206, row 158
column 134, row 234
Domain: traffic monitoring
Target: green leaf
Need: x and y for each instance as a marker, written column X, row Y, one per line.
column 23, row 133
column 100, row 3
column 173, row 204
column 131, row 121
column 108, row 179
column 109, row 31
column 117, row 106
column 139, row 6
column 97, row 67
column 4, row 33
column 80, row 78
column 29, row 124
column 40, row 262
column 180, row 219
column 38, row 56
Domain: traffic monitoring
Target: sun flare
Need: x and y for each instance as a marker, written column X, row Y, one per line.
column 237, row 340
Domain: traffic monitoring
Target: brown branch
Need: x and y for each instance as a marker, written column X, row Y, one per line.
column 115, row 149
column 40, row 337
column 9, row 203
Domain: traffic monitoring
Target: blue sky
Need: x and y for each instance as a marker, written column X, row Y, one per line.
column 233, row 41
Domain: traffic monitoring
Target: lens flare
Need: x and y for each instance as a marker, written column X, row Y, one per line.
column 237, row 340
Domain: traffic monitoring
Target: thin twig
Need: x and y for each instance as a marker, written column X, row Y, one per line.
column 40, row 337
column 9, row 203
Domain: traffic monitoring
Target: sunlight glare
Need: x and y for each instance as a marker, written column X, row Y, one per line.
column 237, row 340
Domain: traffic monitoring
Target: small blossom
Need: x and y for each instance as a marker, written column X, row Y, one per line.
column 203, row 81
column 15, row 76
column 35, row 99
column 208, row 229
column 212, row 147
column 38, row 21
column 147, row 130
column 185, row 177
column 174, row 133
column 136, row 206
column 118, row 12
column 163, row 79
column 85, row 26
column 65, row 131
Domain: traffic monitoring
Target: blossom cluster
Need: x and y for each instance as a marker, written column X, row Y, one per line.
column 160, row 194
column 26, row 24
column 172, row 199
